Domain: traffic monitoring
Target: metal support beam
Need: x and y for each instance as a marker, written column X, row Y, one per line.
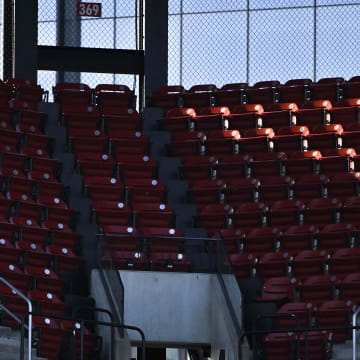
column 8, row 37
column 68, row 33
column 25, row 39
column 90, row 60
column 156, row 45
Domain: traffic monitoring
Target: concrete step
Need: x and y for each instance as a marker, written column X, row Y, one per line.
column 344, row 351
column 10, row 345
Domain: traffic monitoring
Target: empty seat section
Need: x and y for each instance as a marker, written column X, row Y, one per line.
column 124, row 119
column 302, row 162
column 72, row 93
column 318, row 289
column 325, row 137
column 285, row 212
column 337, row 236
column 222, row 142
column 214, row 217
column 153, row 215
column 337, row 161
column 314, row 113
column 188, row 144
column 322, row 211
column 274, row 264
column 350, row 210
column 303, row 312
column 110, row 96
column 344, row 185
column 233, row 167
column 128, row 142
column 345, row 261
column 296, row 91
column 199, row 96
column 279, row 290
column 244, row 117
column 242, row 190
column 310, row 262
column 336, row 313
column 297, row 238
column 249, row 215
column 231, row 95
column 167, row 97
column 263, row 92
column 178, row 120
column 260, row 241
column 198, row 168
column 279, row 115
column 349, row 287
column 346, row 112
column 204, row 192
column 267, row 164
column 137, row 166
column 233, row 240
column 308, row 187
column 111, row 212
column 327, row 88
column 211, row 118
column 163, row 240
column 26, row 90
column 275, row 188
column 142, row 190
column 243, row 265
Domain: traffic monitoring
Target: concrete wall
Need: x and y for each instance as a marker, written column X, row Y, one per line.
column 180, row 309
column 122, row 345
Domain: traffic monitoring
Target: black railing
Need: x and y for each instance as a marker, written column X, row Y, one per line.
column 257, row 349
column 81, row 322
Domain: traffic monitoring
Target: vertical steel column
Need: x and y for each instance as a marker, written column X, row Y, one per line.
column 248, row 41
column 181, row 41
column 315, row 23
column 68, row 33
column 140, row 46
column 8, row 38
column 156, row 45
column 25, row 39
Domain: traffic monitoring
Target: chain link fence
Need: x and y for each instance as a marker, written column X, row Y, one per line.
column 231, row 41
column 117, row 28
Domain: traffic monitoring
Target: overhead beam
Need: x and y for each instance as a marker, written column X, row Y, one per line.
column 25, row 39
column 75, row 59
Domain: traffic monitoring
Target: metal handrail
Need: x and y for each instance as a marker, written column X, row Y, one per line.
column 109, row 313
column 18, row 292
column 81, row 321
column 274, row 316
column 354, row 318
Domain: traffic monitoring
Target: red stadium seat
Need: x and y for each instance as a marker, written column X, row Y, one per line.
column 298, row 238
column 167, row 97
column 178, row 120
column 231, row 94
column 308, row 187
column 199, row 96
column 310, row 262
column 337, row 314
column 318, row 289
column 296, row 91
column 114, row 96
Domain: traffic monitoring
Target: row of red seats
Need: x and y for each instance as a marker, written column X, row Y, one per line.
column 303, row 264
column 273, row 188
column 314, row 289
column 200, row 168
column 264, row 92
column 106, row 97
column 259, row 241
column 292, row 345
column 246, row 118
column 83, row 116
column 23, row 90
column 38, row 246
column 292, row 139
column 317, row 212
column 121, row 180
